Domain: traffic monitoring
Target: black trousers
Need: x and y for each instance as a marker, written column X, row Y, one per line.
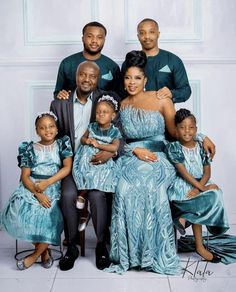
column 100, row 206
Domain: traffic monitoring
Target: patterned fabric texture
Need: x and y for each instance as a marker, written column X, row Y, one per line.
column 141, row 230
column 24, row 217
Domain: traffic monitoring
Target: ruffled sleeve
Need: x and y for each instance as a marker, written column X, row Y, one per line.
column 26, row 156
column 116, row 134
column 65, row 148
column 174, row 152
column 205, row 159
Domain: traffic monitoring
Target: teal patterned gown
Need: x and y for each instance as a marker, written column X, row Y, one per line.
column 102, row 177
column 142, row 230
column 24, row 217
column 207, row 208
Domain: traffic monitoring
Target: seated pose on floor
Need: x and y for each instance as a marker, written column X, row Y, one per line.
column 32, row 213
column 101, row 135
column 194, row 198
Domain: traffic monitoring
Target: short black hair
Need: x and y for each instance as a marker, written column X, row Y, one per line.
column 148, row 19
column 182, row 114
column 96, row 24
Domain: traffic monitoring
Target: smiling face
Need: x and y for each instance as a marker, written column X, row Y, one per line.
column 87, row 77
column 104, row 114
column 134, row 80
column 46, row 128
column 148, row 34
column 186, row 131
column 93, row 40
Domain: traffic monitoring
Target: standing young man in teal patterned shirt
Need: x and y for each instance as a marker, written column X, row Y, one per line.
column 93, row 39
column 165, row 71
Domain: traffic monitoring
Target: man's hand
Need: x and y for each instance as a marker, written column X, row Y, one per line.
column 164, row 92
column 209, row 147
column 63, row 94
column 101, row 157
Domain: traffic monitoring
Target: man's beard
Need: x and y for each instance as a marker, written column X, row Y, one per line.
column 87, row 50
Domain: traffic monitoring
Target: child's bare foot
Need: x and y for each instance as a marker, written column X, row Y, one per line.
column 45, row 256
column 207, row 255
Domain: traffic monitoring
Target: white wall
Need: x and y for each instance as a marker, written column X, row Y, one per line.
column 36, row 35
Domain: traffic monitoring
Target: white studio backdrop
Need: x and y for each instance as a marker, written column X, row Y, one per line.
column 37, row 35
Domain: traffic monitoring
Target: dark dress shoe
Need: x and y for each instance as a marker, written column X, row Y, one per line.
column 102, row 256
column 76, row 240
column 67, row 262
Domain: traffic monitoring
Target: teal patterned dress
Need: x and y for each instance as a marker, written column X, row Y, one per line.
column 102, row 177
column 207, row 208
column 141, row 229
column 24, row 217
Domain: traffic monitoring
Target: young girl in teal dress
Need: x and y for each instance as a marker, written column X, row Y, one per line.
column 32, row 213
column 195, row 199
column 101, row 135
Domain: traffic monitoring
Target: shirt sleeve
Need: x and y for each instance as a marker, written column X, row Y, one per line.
column 205, row 159
column 182, row 89
column 60, row 80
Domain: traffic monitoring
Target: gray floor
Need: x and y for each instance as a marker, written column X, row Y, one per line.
column 199, row 276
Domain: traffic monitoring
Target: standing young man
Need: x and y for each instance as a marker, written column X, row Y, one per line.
column 94, row 34
column 165, row 71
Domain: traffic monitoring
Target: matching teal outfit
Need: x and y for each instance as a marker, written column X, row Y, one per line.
column 109, row 73
column 141, row 228
column 102, row 177
column 24, row 217
column 207, row 208
column 166, row 69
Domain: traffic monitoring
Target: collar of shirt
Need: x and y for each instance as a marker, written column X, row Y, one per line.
column 76, row 99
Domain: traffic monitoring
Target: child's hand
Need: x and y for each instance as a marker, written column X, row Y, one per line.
column 43, row 200
column 212, row 187
column 193, row 193
column 88, row 141
column 41, row 186
column 94, row 142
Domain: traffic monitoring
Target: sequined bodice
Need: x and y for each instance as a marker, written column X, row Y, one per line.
column 140, row 123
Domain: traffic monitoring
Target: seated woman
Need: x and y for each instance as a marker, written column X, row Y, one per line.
column 142, row 230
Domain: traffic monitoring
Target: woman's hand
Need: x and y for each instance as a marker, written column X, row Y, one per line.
column 43, row 199
column 193, row 193
column 145, row 155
